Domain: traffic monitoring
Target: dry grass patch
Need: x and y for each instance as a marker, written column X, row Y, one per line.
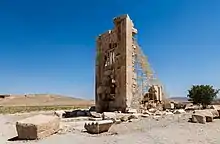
column 23, row 109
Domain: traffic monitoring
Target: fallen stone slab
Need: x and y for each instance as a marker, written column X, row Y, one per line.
column 95, row 115
column 198, row 119
column 214, row 112
column 208, row 114
column 59, row 113
column 98, row 127
column 37, row 127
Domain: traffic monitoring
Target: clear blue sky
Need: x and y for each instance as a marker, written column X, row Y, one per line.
column 48, row 46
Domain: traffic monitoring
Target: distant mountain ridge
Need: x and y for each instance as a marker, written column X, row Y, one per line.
column 179, row 99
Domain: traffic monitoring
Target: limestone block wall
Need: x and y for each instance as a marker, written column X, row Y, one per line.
column 115, row 66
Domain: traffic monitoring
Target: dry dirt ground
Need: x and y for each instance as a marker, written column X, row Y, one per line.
column 43, row 100
column 168, row 130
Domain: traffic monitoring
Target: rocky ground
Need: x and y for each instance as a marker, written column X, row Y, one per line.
column 170, row 129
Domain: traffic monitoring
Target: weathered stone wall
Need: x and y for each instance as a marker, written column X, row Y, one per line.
column 114, row 52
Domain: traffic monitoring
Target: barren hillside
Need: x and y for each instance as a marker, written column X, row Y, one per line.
column 43, row 100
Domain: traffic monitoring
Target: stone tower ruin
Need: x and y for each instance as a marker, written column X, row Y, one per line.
column 116, row 81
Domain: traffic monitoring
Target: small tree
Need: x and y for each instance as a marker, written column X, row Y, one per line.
column 202, row 94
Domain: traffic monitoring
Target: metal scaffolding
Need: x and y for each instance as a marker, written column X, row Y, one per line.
column 146, row 77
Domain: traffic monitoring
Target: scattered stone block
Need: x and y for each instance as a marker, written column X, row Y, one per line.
column 159, row 107
column 208, row 115
column 147, row 112
column 109, row 116
column 133, row 116
column 196, row 118
column 216, row 107
column 95, row 115
column 152, row 110
column 37, row 127
column 145, row 115
column 117, row 121
column 169, row 105
column 168, row 113
column 209, row 119
column 59, row 113
column 214, row 112
column 179, row 105
column 124, row 118
column 132, row 120
column 191, row 107
column 98, row 127
column 180, row 111
column 132, row 111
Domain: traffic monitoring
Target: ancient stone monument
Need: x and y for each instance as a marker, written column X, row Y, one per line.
column 119, row 83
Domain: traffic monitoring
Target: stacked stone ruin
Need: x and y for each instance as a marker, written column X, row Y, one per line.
column 117, row 86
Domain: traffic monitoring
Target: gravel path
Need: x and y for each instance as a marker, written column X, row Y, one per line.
column 168, row 130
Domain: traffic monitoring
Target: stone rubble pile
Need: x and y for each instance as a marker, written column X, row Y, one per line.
column 206, row 115
column 41, row 126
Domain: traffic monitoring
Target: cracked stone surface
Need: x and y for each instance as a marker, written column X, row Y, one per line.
column 171, row 129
